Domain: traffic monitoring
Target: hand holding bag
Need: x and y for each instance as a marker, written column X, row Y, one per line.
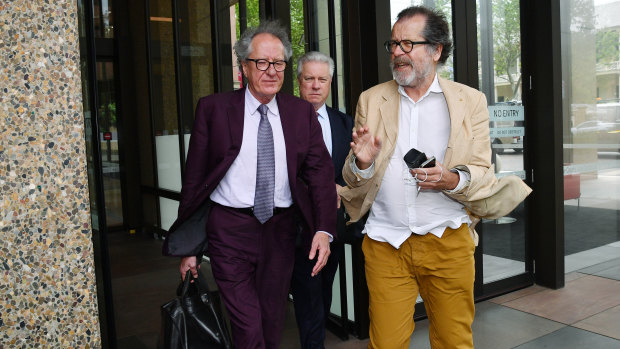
column 193, row 319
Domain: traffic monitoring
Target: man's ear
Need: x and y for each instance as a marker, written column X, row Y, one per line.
column 244, row 67
column 437, row 54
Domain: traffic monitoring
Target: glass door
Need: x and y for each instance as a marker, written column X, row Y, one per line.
column 108, row 136
column 591, row 133
column 503, row 240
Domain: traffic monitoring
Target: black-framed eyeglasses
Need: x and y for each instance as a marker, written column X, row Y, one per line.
column 405, row 45
column 263, row 64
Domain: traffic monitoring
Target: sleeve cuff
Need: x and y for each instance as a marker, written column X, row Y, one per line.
column 331, row 237
column 361, row 174
column 464, row 178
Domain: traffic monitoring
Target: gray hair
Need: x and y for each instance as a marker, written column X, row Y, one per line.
column 243, row 47
column 315, row 56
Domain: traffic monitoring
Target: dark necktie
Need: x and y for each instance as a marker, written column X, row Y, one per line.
column 265, row 169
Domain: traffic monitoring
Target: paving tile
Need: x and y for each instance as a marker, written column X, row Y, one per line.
column 570, row 337
column 590, row 257
column 580, row 299
column 611, row 273
column 132, row 342
column 352, row 343
column 609, row 269
column 495, row 327
column 137, row 300
column 597, row 268
column 573, row 276
column 419, row 339
column 517, row 294
column 606, row 323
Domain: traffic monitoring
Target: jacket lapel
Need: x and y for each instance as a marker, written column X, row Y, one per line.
column 456, row 109
column 235, row 113
column 389, row 113
column 287, row 118
column 337, row 129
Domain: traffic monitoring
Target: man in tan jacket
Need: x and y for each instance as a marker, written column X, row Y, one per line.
column 419, row 238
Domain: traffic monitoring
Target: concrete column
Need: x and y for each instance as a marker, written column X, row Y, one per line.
column 47, row 282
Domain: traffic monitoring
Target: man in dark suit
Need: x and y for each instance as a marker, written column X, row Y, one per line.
column 312, row 295
column 256, row 164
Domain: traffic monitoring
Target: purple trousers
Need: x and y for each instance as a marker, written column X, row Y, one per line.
column 252, row 265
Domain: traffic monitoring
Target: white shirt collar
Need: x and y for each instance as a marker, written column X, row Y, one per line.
column 434, row 88
column 323, row 112
column 252, row 104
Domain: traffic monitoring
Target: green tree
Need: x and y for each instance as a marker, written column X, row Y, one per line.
column 607, row 46
column 445, row 7
column 251, row 15
column 507, row 42
column 297, row 37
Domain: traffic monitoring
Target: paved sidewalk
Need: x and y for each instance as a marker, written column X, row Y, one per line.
column 583, row 314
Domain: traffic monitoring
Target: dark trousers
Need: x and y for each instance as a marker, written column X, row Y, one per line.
column 312, row 296
column 252, row 265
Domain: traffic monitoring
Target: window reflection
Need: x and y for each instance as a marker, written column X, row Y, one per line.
column 195, row 60
column 108, row 127
column 163, row 95
column 246, row 16
column 103, row 19
column 298, row 39
column 591, row 131
column 499, row 54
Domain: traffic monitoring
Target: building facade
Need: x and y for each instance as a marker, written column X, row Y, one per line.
column 97, row 105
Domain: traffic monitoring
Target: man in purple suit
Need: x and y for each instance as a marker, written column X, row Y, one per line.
column 256, row 163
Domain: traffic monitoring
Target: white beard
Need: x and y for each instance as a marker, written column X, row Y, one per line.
column 414, row 78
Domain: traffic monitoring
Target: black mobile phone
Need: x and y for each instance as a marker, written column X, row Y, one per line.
column 414, row 158
column 430, row 162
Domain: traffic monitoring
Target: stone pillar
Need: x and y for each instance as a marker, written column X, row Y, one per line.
column 47, row 282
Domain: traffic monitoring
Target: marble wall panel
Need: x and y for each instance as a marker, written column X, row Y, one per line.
column 47, row 283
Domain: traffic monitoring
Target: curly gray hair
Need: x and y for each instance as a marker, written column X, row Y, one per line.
column 315, row 56
column 243, row 47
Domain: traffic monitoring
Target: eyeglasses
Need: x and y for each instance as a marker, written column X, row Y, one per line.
column 405, row 45
column 263, row 64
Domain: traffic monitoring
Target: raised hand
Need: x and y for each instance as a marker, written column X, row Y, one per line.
column 365, row 147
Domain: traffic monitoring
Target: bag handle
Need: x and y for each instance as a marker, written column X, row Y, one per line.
column 186, row 282
column 200, row 281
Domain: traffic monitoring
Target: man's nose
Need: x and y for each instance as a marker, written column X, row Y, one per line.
column 398, row 51
column 271, row 70
column 315, row 84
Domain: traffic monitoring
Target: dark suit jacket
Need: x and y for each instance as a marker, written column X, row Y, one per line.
column 342, row 128
column 215, row 143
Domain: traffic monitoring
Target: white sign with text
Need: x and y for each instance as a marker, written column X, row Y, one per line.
column 506, row 113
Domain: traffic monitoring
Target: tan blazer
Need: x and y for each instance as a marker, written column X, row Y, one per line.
column 469, row 149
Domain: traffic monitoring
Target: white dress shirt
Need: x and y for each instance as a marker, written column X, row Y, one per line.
column 237, row 187
column 399, row 210
column 325, row 127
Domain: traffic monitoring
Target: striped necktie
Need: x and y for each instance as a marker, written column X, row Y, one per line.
column 265, row 169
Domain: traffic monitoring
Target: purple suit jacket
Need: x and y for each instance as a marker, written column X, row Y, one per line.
column 215, row 143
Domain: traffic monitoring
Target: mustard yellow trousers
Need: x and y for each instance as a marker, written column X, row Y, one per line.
column 441, row 270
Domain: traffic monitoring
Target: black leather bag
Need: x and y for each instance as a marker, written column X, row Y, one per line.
column 193, row 319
